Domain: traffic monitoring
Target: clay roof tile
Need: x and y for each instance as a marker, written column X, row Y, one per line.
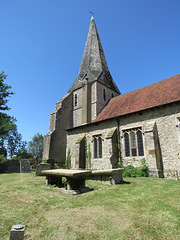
column 157, row 94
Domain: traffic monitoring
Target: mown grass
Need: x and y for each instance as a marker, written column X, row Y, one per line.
column 147, row 208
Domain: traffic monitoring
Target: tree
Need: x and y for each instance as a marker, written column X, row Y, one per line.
column 4, row 92
column 13, row 142
column 10, row 139
column 22, row 152
column 5, row 120
column 36, row 146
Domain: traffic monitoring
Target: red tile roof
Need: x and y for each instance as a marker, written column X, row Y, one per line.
column 160, row 93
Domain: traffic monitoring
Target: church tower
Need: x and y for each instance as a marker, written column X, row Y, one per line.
column 94, row 86
column 86, row 98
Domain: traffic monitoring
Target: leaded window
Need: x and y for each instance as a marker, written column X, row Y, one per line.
column 133, row 142
column 126, row 143
column 100, row 147
column 140, row 143
column 97, row 147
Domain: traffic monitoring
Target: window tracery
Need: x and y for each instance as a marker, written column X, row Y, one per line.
column 133, row 142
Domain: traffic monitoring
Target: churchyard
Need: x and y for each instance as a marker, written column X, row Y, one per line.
column 147, row 208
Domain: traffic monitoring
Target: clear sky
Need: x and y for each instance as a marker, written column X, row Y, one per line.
column 42, row 43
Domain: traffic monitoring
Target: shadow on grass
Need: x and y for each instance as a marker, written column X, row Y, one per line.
column 125, row 182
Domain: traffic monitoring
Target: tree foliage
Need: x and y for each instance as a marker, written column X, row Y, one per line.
column 4, row 92
column 36, row 146
column 10, row 139
column 14, row 140
column 22, row 152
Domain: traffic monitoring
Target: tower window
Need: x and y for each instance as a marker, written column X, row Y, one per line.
column 75, row 100
column 112, row 95
column 104, row 94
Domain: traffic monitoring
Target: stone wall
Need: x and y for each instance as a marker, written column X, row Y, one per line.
column 90, row 102
column 165, row 119
column 55, row 139
column 100, row 98
column 89, row 131
column 77, row 110
column 97, row 97
column 160, row 139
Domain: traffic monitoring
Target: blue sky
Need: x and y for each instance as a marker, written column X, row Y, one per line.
column 42, row 43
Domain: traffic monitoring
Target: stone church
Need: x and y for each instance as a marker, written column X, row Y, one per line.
column 95, row 127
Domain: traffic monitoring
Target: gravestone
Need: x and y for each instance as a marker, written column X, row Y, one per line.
column 11, row 166
column 25, row 166
column 41, row 167
column 17, row 232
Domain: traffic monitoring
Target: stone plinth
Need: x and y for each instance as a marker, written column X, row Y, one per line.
column 17, row 232
column 75, row 178
column 112, row 176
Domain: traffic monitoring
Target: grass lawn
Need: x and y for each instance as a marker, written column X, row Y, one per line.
column 147, row 208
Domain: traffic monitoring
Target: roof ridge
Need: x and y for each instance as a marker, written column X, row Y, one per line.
column 146, row 86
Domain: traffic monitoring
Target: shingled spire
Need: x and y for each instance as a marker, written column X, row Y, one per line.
column 93, row 65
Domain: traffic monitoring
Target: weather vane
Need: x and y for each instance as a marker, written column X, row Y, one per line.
column 91, row 12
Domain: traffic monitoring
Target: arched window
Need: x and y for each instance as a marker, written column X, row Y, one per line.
column 112, row 95
column 100, row 147
column 75, row 100
column 126, row 144
column 97, row 147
